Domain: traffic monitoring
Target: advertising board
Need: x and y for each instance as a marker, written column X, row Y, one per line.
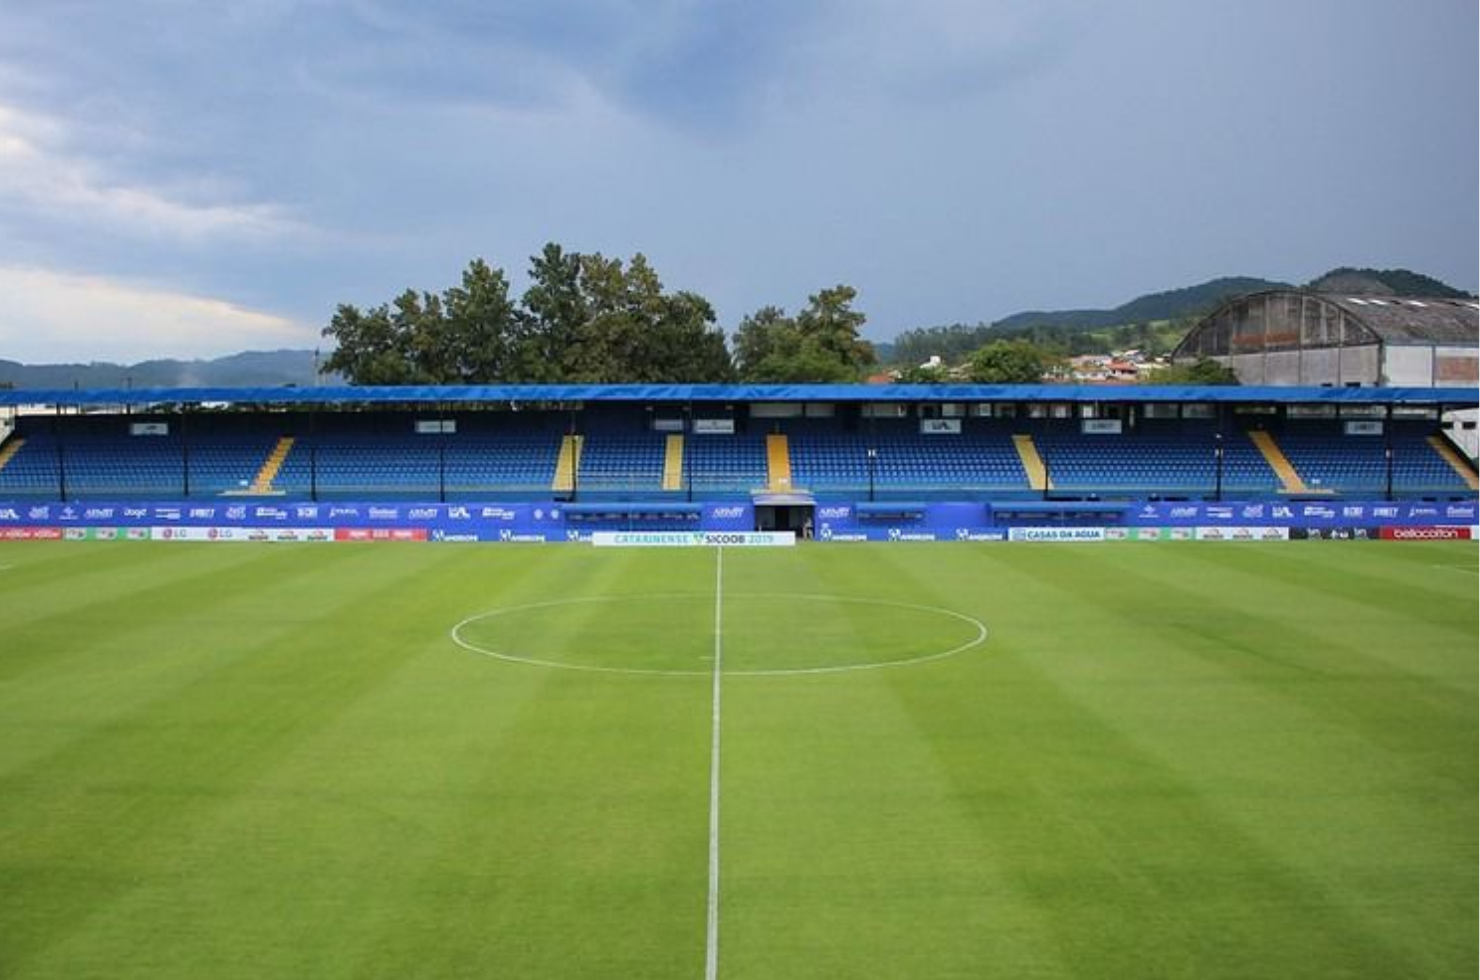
column 1056, row 534
column 693, row 539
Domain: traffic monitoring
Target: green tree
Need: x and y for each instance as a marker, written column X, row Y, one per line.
column 820, row 345
column 1203, row 371
column 1009, row 362
column 556, row 308
column 584, row 318
column 370, row 349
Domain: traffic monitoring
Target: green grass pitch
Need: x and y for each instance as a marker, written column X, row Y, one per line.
column 1166, row 760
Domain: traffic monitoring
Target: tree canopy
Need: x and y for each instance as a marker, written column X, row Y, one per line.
column 1203, row 371
column 1009, row 362
column 819, row 344
column 583, row 318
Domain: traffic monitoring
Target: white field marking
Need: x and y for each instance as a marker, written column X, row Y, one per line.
column 1452, row 568
column 711, row 936
column 981, row 636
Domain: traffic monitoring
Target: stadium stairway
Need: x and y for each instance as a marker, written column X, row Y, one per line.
column 1032, row 462
column 778, row 462
column 673, row 463
column 10, row 449
column 1441, row 446
column 567, row 463
column 1290, row 480
column 272, row 466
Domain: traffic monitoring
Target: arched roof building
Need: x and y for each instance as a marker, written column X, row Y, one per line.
column 1291, row 337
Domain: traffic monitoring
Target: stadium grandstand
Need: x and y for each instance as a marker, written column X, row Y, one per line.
column 849, row 461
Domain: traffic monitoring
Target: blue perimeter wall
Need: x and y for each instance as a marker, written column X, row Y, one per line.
column 549, row 520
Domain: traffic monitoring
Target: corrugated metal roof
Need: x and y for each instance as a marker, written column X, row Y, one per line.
column 1405, row 320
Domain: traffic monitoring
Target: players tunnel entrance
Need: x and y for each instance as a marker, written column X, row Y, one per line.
column 785, row 512
column 784, row 517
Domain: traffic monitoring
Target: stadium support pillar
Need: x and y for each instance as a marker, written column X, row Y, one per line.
column 442, row 454
column 1218, row 466
column 313, row 453
column 61, row 457
column 184, row 451
column 1387, row 451
column 873, row 461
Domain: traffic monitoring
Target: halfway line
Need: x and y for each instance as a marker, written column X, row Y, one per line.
column 711, row 946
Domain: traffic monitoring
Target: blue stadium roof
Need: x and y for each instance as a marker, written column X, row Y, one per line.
column 682, row 394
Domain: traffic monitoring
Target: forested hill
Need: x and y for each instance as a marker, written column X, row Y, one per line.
column 1154, row 306
column 248, row 369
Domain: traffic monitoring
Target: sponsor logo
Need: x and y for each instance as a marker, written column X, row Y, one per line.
column 1282, row 511
column 98, row 514
column 444, row 536
column 1220, row 513
column 539, row 514
column 1353, row 510
column 31, row 533
column 138, row 534
column 459, row 514
column 344, row 512
column 1183, row 513
column 828, row 513
column 1274, row 534
column 1320, row 511
column 107, row 534
column 497, row 514
column 1253, row 512
column 554, row 515
column 306, row 512
column 732, row 513
column 237, row 513
column 135, row 512
column 167, row 513
column 1425, row 533
column 1459, row 511
column 1117, row 534
column 1149, row 510
column 9, row 514
column 1381, row 511
column 385, row 513
column 202, row 513
column 1420, row 510
column 39, row 513
column 270, row 513
column 421, row 514
column 1210, row 534
column 1057, row 534
column 1180, row 533
column 75, row 534
column 68, row 513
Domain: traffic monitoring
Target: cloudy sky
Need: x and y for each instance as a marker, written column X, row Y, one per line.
column 182, row 178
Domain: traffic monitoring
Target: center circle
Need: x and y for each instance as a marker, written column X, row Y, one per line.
column 760, row 634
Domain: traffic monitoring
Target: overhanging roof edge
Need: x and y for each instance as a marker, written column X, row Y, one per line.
column 682, row 394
